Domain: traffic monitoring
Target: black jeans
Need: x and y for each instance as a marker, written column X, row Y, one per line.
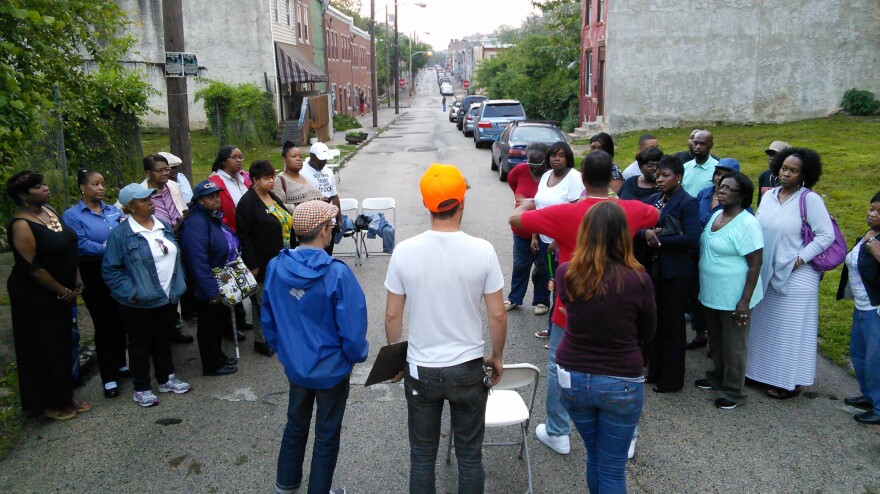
column 462, row 386
column 149, row 335
column 109, row 330
column 215, row 320
column 666, row 351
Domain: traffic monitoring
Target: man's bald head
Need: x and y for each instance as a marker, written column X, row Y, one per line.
column 703, row 142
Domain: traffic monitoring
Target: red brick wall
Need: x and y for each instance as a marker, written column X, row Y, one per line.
column 348, row 64
column 592, row 43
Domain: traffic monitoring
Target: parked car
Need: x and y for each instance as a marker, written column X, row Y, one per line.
column 492, row 118
column 470, row 116
column 465, row 106
column 510, row 149
column 446, row 89
column 453, row 110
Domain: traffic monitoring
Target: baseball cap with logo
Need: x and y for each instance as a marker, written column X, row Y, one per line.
column 134, row 191
column 310, row 214
column 442, row 183
column 205, row 187
column 320, row 150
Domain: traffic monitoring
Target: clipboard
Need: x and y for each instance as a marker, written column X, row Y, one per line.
column 390, row 361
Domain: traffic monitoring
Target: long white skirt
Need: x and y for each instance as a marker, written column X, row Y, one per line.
column 783, row 334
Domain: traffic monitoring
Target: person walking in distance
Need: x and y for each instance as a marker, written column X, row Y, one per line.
column 445, row 354
column 314, row 317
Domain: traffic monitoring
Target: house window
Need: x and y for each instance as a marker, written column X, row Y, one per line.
column 305, row 17
column 588, row 12
column 288, row 12
column 600, row 11
column 276, row 10
column 588, row 73
column 299, row 27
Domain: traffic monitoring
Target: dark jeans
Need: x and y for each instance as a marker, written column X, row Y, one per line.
column 328, row 428
column 149, row 335
column 697, row 311
column 864, row 349
column 523, row 260
column 605, row 411
column 729, row 343
column 109, row 330
column 462, row 386
column 215, row 320
column 666, row 351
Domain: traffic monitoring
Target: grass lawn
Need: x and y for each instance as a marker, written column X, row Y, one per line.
column 850, row 151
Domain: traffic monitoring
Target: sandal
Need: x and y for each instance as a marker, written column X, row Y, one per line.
column 782, row 394
column 65, row 414
column 509, row 306
column 542, row 334
column 81, row 406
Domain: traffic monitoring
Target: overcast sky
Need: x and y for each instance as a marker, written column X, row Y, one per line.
column 452, row 19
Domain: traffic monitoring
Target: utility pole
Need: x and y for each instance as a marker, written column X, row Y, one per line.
column 396, row 63
column 374, row 80
column 387, row 62
column 175, row 87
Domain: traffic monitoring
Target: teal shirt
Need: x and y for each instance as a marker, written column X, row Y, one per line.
column 723, row 266
column 698, row 177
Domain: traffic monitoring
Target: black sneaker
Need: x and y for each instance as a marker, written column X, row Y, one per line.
column 725, row 404
column 859, row 402
column 703, row 384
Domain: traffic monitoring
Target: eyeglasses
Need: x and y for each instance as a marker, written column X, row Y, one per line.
column 162, row 246
column 727, row 188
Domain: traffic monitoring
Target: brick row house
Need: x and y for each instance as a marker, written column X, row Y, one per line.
column 347, row 57
column 592, row 86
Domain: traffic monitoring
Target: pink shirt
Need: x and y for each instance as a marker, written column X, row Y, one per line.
column 165, row 208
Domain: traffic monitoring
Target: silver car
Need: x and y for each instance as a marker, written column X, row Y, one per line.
column 469, row 117
column 453, row 110
column 493, row 118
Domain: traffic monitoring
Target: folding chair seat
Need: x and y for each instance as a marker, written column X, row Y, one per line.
column 506, row 407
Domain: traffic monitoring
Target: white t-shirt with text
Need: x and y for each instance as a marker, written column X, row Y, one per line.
column 322, row 179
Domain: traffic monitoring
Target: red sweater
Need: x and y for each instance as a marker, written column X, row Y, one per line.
column 524, row 187
column 562, row 222
column 227, row 205
column 603, row 334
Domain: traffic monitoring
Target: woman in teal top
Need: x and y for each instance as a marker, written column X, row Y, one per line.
column 731, row 252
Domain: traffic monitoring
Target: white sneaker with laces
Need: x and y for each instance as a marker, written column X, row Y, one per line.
column 174, row 385
column 560, row 444
column 145, row 398
column 541, row 309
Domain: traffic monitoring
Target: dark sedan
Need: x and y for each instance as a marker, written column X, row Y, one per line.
column 510, row 149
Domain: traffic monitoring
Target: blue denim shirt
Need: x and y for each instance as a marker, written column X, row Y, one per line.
column 91, row 229
column 130, row 272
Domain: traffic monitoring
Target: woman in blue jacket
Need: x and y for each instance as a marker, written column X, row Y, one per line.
column 208, row 243
column 674, row 244
column 142, row 268
column 860, row 281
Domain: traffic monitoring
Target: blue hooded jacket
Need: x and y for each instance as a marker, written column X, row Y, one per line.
column 314, row 316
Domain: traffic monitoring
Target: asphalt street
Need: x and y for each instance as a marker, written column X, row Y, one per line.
column 223, row 437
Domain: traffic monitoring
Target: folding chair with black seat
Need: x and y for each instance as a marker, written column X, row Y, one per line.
column 506, row 407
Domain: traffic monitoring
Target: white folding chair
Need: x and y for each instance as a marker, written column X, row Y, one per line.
column 333, row 164
column 349, row 207
column 377, row 205
column 506, row 407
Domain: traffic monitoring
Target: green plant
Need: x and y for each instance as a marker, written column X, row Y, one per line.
column 344, row 121
column 11, row 417
column 860, row 102
column 238, row 113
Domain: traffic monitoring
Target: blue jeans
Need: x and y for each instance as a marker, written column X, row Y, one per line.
column 328, row 426
column 557, row 415
column 605, row 411
column 461, row 385
column 523, row 260
column 864, row 350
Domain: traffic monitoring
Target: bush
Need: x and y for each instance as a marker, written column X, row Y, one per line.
column 242, row 113
column 862, row 103
column 344, row 121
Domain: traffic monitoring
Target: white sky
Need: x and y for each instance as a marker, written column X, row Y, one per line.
column 451, row 19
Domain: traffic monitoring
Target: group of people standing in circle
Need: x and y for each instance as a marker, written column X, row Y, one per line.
column 705, row 255
column 135, row 262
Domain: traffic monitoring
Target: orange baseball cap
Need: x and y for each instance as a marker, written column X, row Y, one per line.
column 441, row 183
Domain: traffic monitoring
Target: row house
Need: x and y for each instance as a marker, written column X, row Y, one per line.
column 347, row 56
column 592, row 76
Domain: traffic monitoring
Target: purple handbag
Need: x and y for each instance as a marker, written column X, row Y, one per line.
column 834, row 255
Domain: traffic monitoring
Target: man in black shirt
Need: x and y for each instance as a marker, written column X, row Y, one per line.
column 767, row 180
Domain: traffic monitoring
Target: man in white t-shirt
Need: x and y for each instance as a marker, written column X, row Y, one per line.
column 322, row 179
column 645, row 141
column 445, row 274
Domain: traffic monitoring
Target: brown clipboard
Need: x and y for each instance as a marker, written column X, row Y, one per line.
column 390, row 361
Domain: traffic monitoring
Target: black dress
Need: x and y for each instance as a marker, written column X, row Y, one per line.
column 41, row 324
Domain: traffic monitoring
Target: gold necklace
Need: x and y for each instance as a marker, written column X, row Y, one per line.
column 53, row 223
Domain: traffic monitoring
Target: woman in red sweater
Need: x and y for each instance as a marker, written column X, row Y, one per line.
column 609, row 299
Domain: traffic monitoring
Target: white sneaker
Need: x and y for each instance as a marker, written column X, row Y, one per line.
column 632, row 448
column 560, row 444
column 541, row 309
column 174, row 385
column 341, row 490
column 145, row 398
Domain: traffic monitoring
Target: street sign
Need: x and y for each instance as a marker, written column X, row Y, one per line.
column 178, row 64
column 465, row 83
column 401, row 82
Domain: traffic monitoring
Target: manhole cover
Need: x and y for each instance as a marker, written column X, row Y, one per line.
column 421, row 149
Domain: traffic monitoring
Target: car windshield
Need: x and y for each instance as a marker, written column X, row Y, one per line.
column 503, row 110
column 535, row 134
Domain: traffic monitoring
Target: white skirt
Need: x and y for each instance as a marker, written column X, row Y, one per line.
column 783, row 333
